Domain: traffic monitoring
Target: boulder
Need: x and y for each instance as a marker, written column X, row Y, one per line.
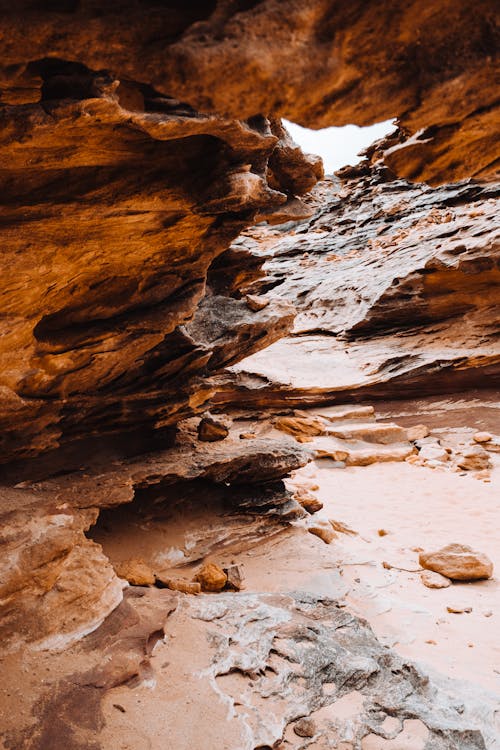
column 458, row 562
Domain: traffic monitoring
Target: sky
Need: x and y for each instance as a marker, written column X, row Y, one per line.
column 338, row 146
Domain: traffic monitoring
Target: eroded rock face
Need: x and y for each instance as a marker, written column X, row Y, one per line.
column 136, row 143
column 112, row 221
column 320, row 63
column 56, row 583
column 397, row 288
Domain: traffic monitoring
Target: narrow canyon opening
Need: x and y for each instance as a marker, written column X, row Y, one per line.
column 249, row 410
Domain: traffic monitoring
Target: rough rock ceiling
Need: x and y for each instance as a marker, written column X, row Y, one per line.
column 125, row 174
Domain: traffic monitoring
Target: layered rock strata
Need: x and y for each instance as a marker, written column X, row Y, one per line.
column 136, row 144
column 319, row 64
column 397, row 288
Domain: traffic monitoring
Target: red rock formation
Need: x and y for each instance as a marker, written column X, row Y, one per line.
column 137, row 140
column 397, row 288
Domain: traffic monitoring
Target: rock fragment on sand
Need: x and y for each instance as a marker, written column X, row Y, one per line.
column 417, row 432
column 459, row 610
column 309, row 502
column 322, row 528
column 482, row 437
column 180, row 584
column 135, row 571
column 305, row 728
column 342, row 528
column 211, row 577
column 458, row 562
column 434, row 580
column 474, row 458
column 234, row 577
column 433, row 452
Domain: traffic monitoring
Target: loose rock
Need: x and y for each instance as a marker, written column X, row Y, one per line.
column 343, row 528
column 234, row 578
column 482, row 437
column 417, row 432
column 458, row 562
column 305, row 728
column 321, row 527
column 434, row 580
column 309, row 502
column 211, row 577
column 256, row 303
column 180, row 584
column 474, row 458
column 136, row 572
column 211, row 429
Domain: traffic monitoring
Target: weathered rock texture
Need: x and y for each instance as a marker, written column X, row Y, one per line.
column 125, row 174
column 397, row 288
column 137, row 140
column 257, row 664
column 318, row 63
column 56, row 584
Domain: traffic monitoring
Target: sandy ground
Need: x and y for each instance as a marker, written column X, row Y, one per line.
column 418, row 507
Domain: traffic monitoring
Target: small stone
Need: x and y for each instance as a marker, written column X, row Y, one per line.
column 413, row 459
column 305, row 728
column 321, row 527
column 434, row 580
column 459, row 610
column 458, row 562
column 234, row 578
column 488, row 613
column 417, row 432
column 433, row 452
column 247, row 435
column 256, row 303
column 211, row 429
column 482, row 437
column 382, row 532
column 484, row 474
column 180, row 584
column 310, row 503
column 135, row 571
column 341, row 527
column 211, row 577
